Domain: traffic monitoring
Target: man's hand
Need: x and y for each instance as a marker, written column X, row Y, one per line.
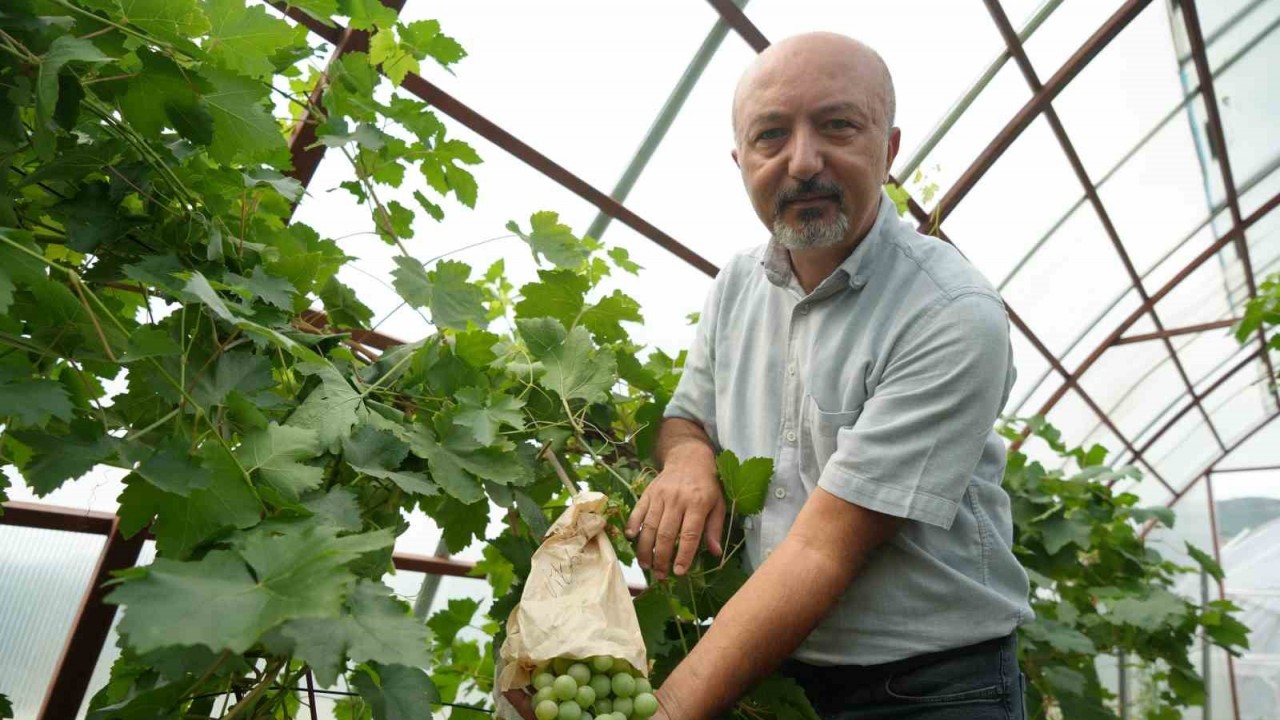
column 684, row 504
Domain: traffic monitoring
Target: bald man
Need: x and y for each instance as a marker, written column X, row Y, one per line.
column 870, row 363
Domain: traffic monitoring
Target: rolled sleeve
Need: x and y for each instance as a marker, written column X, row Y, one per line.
column 695, row 395
column 913, row 450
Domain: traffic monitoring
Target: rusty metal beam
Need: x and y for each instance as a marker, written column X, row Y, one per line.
column 90, row 629
column 1029, row 112
column 1159, row 295
column 1218, row 139
column 1255, row 468
column 738, row 20
column 1174, row 332
column 1172, row 421
column 1019, row 53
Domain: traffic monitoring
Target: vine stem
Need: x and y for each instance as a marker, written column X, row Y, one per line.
column 555, row 463
column 209, row 673
column 267, row 676
column 577, row 431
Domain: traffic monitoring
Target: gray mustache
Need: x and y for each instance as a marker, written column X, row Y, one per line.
column 809, row 187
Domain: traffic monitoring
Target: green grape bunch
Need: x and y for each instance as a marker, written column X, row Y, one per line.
column 600, row 687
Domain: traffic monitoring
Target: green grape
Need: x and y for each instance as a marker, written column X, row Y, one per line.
column 643, row 686
column 564, row 687
column 569, row 710
column 601, row 663
column 586, row 695
column 604, row 706
column 580, row 673
column 561, row 664
column 645, row 705
column 624, row 686
column 586, row 715
column 545, row 693
column 547, row 710
column 620, row 665
column 623, row 706
column 542, row 680
column 602, row 685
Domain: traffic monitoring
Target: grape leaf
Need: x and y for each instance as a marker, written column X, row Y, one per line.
column 150, row 341
column 337, row 508
column 446, row 470
column 1203, row 559
column 744, row 482
column 1148, row 613
column 484, row 413
column 331, row 409
column 243, row 39
column 605, row 317
column 274, row 290
column 91, row 218
column 276, row 454
column 572, row 368
column 1059, row 531
column 243, row 129
column 64, row 49
column 445, row 291
column 653, row 610
column 367, row 14
column 34, row 402
column 176, row 20
column 374, row 626
column 1061, row 636
column 62, row 456
column 399, row 692
column 558, row 294
column 396, row 62
column 216, row 602
column 173, row 469
column 183, row 523
column 447, row 622
column 461, row 523
column 552, row 239
column 784, row 699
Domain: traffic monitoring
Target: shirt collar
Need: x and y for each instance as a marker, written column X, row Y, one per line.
column 855, row 269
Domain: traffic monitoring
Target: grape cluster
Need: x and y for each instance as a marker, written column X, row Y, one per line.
column 602, row 688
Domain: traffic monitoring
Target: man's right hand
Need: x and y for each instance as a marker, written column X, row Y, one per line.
column 682, row 505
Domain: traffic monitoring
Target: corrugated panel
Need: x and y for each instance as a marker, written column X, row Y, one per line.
column 43, row 577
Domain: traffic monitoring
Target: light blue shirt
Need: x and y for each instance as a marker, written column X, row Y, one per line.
column 881, row 387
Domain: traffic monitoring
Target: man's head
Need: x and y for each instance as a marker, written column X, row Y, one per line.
column 814, row 138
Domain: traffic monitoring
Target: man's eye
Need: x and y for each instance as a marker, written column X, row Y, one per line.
column 840, row 124
column 771, row 134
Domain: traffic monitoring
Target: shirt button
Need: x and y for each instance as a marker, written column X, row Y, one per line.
column 748, row 523
column 780, row 493
column 791, row 436
column 791, row 369
column 804, row 309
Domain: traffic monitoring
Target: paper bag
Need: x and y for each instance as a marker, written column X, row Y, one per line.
column 575, row 602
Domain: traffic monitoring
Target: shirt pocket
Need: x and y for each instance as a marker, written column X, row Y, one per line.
column 819, row 433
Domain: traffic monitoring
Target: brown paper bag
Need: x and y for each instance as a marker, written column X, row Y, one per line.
column 575, row 602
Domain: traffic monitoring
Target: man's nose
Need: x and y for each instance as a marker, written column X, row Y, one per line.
column 806, row 155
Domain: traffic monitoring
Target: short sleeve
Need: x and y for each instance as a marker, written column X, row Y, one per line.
column 916, row 444
column 695, row 395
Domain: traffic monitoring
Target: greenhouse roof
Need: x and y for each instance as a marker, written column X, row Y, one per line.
column 1111, row 166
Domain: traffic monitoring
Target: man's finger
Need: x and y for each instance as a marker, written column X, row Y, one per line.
column 665, row 544
column 690, row 535
column 637, row 515
column 715, row 528
column 649, row 534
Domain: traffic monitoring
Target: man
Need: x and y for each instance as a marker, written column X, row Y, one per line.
column 870, row 362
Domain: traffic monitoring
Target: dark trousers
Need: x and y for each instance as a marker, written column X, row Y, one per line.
column 978, row 682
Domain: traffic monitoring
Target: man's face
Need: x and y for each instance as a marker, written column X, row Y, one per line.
column 813, row 145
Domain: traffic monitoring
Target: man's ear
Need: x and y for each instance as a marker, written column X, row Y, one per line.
column 891, row 152
column 734, row 154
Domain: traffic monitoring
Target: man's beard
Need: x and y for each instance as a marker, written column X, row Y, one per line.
column 813, row 231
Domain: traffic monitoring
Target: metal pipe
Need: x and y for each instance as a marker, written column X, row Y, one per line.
column 662, row 123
